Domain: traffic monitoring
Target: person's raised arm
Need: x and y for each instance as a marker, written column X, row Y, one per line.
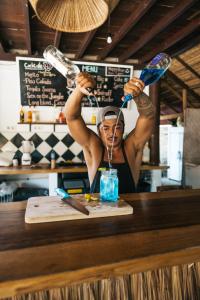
column 72, row 111
column 144, row 125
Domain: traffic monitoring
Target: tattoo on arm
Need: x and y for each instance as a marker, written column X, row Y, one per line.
column 144, row 105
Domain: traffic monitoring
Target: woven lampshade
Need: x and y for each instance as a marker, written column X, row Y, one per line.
column 73, row 15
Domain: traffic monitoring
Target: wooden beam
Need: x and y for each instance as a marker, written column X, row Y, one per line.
column 168, row 104
column 184, row 102
column 177, row 80
column 172, row 39
column 131, row 20
column 170, row 117
column 27, row 25
column 154, row 141
column 184, row 99
column 171, row 89
column 7, row 56
column 167, row 19
column 181, row 61
column 1, row 48
column 85, row 43
column 185, row 46
column 57, row 39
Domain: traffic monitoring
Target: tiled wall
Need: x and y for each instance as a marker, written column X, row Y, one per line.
column 63, row 145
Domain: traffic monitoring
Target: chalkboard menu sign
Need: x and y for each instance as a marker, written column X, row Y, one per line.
column 43, row 85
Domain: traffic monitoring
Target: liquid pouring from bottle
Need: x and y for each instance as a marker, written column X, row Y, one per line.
column 69, row 70
column 149, row 75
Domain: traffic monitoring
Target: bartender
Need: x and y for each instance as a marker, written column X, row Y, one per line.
column 108, row 148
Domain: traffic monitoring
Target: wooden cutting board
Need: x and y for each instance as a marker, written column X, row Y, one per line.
column 50, row 209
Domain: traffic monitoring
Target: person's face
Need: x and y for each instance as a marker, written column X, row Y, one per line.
column 107, row 131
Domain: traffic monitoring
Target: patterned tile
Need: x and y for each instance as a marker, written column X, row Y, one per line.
column 8, row 135
column 36, row 156
column 36, row 140
column 75, row 148
column 44, row 148
column 60, row 148
column 3, row 140
column 60, row 159
column 81, row 156
column 44, row 135
column 68, row 140
column 9, row 147
column 48, row 156
column 68, row 155
column 52, row 140
column 60, row 135
column 76, row 159
column 44, row 161
column 17, row 140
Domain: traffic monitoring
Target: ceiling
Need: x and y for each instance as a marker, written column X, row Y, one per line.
column 140, row 30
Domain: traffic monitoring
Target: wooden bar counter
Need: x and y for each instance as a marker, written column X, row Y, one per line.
column 164, row 230
column 46, row 169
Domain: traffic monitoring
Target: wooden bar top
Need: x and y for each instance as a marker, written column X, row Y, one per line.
column 45, row 169
column 164, row 230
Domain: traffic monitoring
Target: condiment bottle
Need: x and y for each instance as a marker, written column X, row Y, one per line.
column 61, row 117
column 93, row 118
column 35, row 115
column 29, row 115
column 21, row 114
column 53, row 160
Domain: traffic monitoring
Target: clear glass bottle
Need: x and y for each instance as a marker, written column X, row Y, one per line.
column 60, row 62
column 109, row 185
column 65, row 66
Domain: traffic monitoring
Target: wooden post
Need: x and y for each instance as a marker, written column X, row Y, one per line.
column 154, row 141
column 184, row 104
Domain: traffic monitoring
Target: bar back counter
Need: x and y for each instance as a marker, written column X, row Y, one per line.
column 152, row 254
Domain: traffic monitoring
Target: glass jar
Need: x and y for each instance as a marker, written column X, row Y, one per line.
column 109, row 185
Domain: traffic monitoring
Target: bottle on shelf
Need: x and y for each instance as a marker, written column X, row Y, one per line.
column 21, row 115
column 35, row 116
column 53, row 160
column 29, row 115
column 93, row 118
column 61, row 118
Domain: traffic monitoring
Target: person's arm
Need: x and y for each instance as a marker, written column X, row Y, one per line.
column 72, row 110
column 144, row 125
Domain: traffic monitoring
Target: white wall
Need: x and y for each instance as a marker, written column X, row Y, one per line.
column 10, row 104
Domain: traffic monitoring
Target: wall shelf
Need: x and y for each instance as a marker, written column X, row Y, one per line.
column 46, row 123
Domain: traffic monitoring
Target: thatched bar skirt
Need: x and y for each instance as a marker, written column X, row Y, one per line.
column 152, row 254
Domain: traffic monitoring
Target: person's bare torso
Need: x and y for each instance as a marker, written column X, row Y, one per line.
column 93, row 157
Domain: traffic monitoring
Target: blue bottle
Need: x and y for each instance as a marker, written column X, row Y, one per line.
column 109, row 185
column 153, row 71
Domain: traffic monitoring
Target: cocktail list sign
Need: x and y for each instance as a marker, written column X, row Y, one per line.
column 42, row 85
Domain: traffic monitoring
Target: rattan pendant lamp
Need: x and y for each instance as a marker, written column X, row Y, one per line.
column 72, row 15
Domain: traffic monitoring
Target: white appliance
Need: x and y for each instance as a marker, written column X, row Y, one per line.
column 27, row 148
column 175, row 153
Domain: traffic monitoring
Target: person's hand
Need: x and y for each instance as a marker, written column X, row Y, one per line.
column 134, row 87
column 85, row 81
